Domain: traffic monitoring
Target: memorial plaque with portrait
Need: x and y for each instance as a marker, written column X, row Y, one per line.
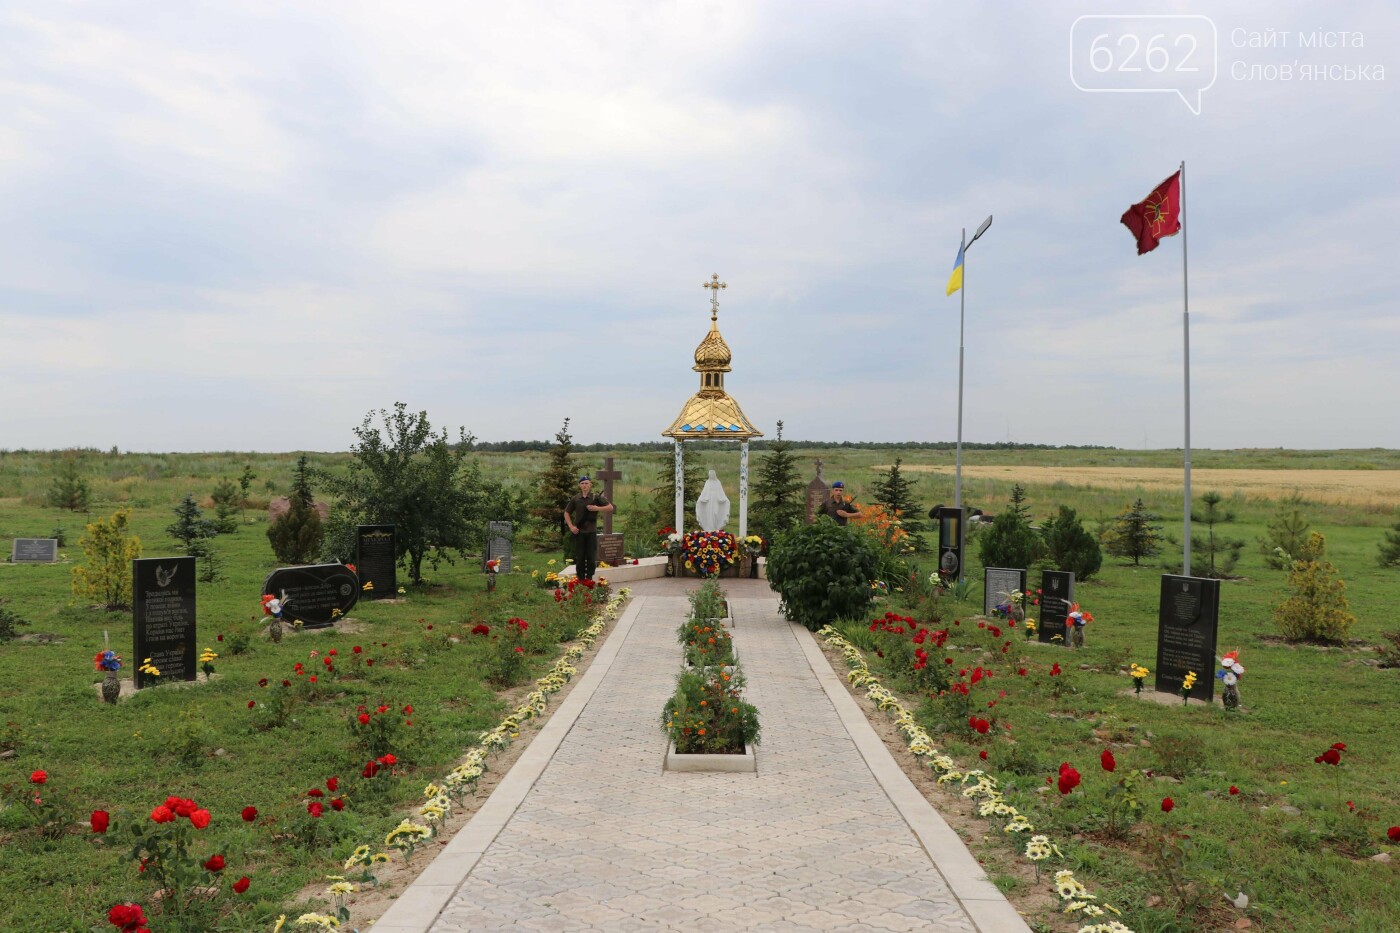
column 1056, row 597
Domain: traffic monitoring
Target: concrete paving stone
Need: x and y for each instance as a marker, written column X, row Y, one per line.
column 604, row 838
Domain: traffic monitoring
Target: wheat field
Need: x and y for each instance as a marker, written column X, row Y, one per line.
column 1347, row 487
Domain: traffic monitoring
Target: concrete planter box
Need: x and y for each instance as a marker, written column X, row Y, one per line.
column 732, row 764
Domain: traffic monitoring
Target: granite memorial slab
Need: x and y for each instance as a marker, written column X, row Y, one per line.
column 500, row 539
column 1056, row 596
column 315, row 594
column 34, row 551
column 1188, row 619
column 163, row 618
column 376, row 560
column 999, row 580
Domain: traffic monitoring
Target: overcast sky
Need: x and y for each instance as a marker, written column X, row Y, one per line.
column 243, row 225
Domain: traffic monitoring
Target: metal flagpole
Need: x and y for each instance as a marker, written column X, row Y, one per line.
column 962, row 308
column 1186, row 357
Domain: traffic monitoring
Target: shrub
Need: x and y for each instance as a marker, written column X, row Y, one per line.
column 1284, row 537
column 108, row 550
column 69, row 489
column 296, row 536
column 822, row 572
column 9, row 621
column 1010, row 542
column 1317, row 611
column 1389, row 555
column 1070, row 546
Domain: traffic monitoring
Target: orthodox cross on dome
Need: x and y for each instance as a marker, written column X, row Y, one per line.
column 714, row 285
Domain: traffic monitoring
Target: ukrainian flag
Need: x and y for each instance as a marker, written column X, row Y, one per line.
column 955, row 280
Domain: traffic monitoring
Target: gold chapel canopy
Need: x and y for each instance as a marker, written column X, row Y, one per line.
column 712, row 413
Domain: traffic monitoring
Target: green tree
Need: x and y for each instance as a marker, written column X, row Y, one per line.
column 194, row 532
column 1318, row 610
column 1134, row 534
column 1284, row 536
column 778, row 498
column 422, row 483
column 296, row 537
column 108, row 550
column 69, row 489
column 896, row 494
column 662, row 512
column 227, row 505
column 1390, row 548
column 1213, row 555
column 554, row 486
column 1011, row 541
column 245, row 482
column 1070, row 546
column 822, row 571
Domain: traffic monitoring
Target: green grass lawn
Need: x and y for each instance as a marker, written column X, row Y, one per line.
column 1306, row 872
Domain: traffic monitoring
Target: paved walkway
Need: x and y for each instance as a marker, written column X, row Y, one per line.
column 588, row 832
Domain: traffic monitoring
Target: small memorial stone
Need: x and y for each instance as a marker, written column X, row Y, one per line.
column 999, row 580
column 1056, row 596
column 34, row 551
column 376, row 560
column 500, row 538
column 610, row 549
column 163, row 616
column 314, row 595
column 1188, row 617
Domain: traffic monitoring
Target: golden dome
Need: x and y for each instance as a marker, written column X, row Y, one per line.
column 713, row 353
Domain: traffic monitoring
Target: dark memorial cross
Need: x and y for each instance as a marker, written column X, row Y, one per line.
column 1056, row 596
column 162, row 608
column 610, row 546
column 950, row 543
column 817, row 493
column 998, row 580
column 315, row 595
column 376, row 560
column 34, row 551
column 499, row 536
column 1188, row 616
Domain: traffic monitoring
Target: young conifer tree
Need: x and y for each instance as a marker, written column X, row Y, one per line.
column 896, row 494
column 296, row 537
column 1390, row 548
column 1134, row 534
column 778, row 498
column 69, row 489
column 554, row 487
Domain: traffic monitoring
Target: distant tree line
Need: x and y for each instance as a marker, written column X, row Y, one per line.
column 659, row 446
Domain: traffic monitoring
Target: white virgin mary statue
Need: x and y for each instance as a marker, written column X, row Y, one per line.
column 712, row 508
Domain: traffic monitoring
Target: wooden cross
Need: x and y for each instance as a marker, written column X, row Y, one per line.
column 607, row 474
column 714, row 285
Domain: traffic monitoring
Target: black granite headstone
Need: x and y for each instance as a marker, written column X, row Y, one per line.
column 998, row 580
column 500, row 537
column 950, row 544
column 163, row 610
column 312, row 594
column 610, row 549
column 1056, row 596
column 34, row 551
column 376, row 561
column 1188, row 616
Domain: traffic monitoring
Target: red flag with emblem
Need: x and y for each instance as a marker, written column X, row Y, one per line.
column 1157, row 216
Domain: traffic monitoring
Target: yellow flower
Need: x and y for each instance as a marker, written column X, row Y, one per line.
column 280, row 921
column 551, row 562
column 1189, row 682
column 341, row 888
column 336, row 613
column 368, row 587
column 207, row 656
column 359, row 855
